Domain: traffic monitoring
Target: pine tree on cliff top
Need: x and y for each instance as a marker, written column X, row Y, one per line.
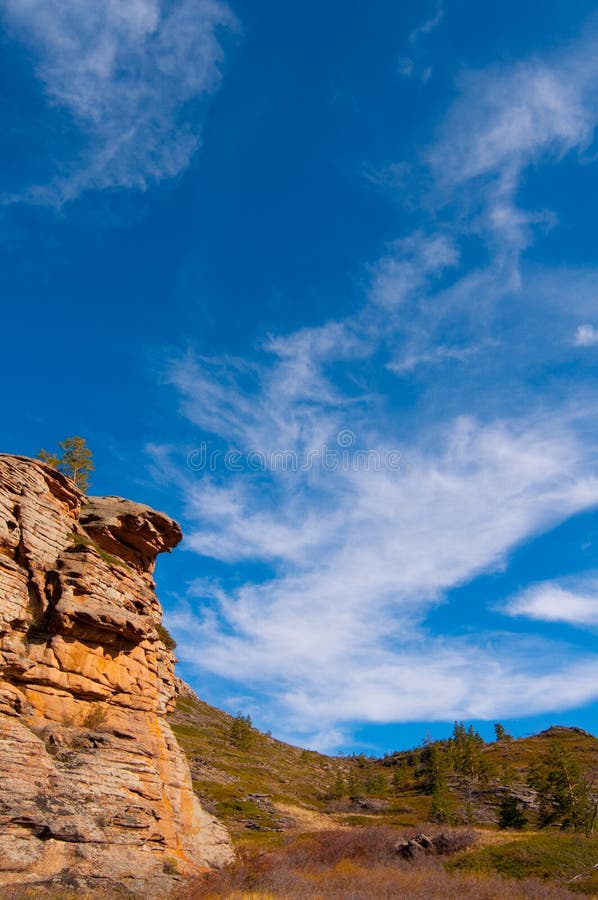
column 75, row 461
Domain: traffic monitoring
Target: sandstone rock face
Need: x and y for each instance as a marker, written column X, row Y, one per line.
column 93, row 786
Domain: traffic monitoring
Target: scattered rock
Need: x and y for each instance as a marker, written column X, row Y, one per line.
column 561, row 730
column 413, row 847
column 422, row 843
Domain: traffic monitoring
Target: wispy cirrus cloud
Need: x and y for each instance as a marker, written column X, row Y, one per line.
column 505, row 119
column 358, row 557
column 128, row 75
column 409, row 266
column 284, row 402
column 407, row 65
column 428, row 25
column 434, row 356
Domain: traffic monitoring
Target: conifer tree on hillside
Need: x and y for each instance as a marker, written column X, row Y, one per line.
column 465, row 751
column 241, row 731
column 434, row 769
column 353, row 787
column 75, row 461
column 339, row 787
column 566, row 792
column 376, row 785
column 500, row 733
column 401, row 775
column 437, row 768
column 510, row 814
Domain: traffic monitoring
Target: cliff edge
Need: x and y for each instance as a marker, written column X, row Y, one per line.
column 94, row 788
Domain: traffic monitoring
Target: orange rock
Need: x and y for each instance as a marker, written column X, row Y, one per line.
column 93, row 785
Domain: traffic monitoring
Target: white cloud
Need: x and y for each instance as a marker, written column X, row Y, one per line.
column 422, row 677
column 428, row 25
column 407, row 64
column 337, row 633
column 409, row 266
column 364, row 534
column 505, row 119
column 126, row 73
column 435, row 356
column 575, row 603
column 284, row 402
column 586, row 336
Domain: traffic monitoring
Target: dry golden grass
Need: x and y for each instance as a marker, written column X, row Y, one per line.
column 357, row 864
column 488, row 837
column 306, row 819
column 350, row 880
column 48, row 892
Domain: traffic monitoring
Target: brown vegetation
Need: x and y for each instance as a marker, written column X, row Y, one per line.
column 357, row 863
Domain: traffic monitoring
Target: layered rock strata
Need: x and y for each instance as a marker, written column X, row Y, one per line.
column 94, row 788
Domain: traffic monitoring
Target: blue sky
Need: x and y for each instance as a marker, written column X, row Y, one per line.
column 355, row 250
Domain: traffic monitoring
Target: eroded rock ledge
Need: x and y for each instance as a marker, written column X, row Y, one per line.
column 93, row 786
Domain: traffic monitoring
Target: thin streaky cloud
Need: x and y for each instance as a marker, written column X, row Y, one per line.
column 128, row 75
column 428, row 25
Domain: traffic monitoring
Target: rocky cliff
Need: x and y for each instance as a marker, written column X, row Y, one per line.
column 93, row 786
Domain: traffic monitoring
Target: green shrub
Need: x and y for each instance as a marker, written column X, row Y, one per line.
column 82, row 540
column 166, row 637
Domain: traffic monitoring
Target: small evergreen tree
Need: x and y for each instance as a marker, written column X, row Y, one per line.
column 439, row 810
column 508, row 774
column 467, row 813
column 339, row 788
column 510, row 814
column 566, row 794
column 354, row 788
column 465, row 752
column 75, row 461
column 241, row 731
column 400, row 776
column 501, row 734
column 435, row 766
column 487, row 768
column 376, row 784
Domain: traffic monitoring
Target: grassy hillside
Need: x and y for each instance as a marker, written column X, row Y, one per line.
column 255, row 782
column 563, row 858
column 273, row 797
